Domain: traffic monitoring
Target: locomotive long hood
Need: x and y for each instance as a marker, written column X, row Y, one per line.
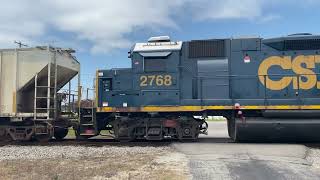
column 302, row 41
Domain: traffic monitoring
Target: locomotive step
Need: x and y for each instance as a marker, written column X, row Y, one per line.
column 87, row 124
column 44, row 97
column 45, row 87
column 87, row 134
column 41, row 133
column 154, row 137
column 50, row 119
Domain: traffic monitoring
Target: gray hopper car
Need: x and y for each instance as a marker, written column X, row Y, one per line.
column 30, row 79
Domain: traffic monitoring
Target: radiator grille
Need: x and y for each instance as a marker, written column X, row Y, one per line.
column 207, row 48
column 308, row 44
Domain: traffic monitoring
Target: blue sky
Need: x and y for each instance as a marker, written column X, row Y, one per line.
column 102, row 31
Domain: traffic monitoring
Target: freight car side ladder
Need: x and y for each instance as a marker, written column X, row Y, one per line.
column 48, row 94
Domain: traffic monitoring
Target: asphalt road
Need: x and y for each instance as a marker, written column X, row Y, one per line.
column 216, row 157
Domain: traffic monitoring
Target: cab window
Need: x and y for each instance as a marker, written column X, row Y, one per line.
column 155, row 64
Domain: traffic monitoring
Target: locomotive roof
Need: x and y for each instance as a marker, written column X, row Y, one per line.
column 157, row 46
column 68, row 50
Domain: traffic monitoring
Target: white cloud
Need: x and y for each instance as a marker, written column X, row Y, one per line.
column 228, row 9
column 105, row 24
column 269, row 17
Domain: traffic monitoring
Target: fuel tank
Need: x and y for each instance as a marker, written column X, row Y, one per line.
column 276, row 125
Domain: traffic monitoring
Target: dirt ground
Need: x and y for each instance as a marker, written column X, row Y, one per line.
column 120, row 163
column 100, row 159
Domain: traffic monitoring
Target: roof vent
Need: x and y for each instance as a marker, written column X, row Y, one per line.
column 300, row 34
column 159, row 39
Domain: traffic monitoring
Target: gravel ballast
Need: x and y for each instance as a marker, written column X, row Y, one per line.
column 314, row 157
column 92, row 162
column 42, row 152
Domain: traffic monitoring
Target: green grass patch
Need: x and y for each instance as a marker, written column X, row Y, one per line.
column 216, row 118
column 71, row 133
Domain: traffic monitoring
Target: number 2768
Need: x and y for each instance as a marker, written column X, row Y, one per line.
column 158, row 80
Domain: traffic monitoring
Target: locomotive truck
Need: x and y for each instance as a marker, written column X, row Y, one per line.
column 265, row 88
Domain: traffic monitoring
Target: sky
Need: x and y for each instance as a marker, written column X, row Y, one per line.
column 103, row 31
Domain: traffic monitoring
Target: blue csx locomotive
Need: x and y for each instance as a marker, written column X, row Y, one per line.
column 263, row 87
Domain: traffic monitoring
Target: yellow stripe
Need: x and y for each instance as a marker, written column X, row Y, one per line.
column 272, row 107
column 97, row 88
column 202, row 108
column 311, row 107
column 283, row 107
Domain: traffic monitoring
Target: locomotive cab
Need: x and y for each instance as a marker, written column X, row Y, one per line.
column 152, row 80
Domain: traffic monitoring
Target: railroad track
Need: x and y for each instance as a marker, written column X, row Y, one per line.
column 89, row 142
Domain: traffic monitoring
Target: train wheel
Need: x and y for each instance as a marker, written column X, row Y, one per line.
column 125, row 135
column 4, row 136
column 78, row 135
column 82, row 138
column 46, row 135
column 43, row 138
column 60, row 133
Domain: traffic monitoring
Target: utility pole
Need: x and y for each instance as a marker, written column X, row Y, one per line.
column 89, row 89
column 20, row 44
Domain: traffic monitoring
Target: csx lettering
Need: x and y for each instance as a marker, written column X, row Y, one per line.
column 158, row 80
column 302, row 66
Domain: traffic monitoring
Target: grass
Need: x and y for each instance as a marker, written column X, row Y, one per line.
column 215, row 118
column 72, row 134
column 109, row 166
